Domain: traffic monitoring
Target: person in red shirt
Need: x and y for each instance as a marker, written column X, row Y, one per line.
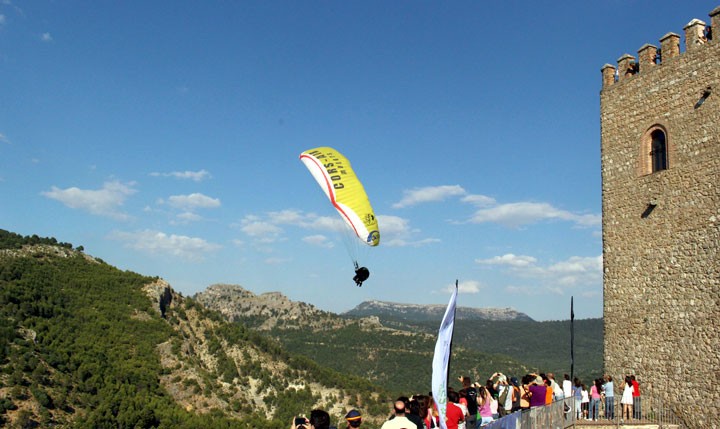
column 453, row 414
column 637, row 412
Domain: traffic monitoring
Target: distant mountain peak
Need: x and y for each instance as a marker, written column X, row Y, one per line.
column 424, row 312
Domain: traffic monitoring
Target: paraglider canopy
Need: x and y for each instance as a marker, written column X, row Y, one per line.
column 332, row 171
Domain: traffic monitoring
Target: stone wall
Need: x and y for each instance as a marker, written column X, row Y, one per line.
column 661, row 230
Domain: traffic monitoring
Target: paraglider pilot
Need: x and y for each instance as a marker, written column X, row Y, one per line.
column 361, row 274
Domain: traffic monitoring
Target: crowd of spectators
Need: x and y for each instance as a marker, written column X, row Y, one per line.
column 474, row 405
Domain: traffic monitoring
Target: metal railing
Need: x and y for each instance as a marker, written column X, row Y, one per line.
column 565, row 413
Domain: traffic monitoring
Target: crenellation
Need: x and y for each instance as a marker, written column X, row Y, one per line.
column 669, row 46
column 697, row 34
column 608, row 74
column 694, row 34
column 646, row 56
column 627, row 66
column 715, row 25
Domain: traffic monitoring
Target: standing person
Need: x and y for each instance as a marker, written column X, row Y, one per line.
column 319, row 419
column 462, row 404
column 538, row 392
column 484, row 406
column 505, row 392
column 398, row 419
column 354, row 419
column 470, row 393
column 414, row 412
column 585, row 401
column 609, row 391
column 558, row 392
column 637, row 410
column 548, row 389
column 568, row 399
column 413, row 416
column 515, row 384
column 454, row 415
column 627, row 399
column 577, row 395
column 427, row 411
column 595, row 395
column 524, row 392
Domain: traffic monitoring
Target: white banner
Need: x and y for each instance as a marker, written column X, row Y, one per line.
column 442, row 358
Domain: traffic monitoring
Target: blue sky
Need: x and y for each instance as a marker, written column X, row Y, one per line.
column 164, row 138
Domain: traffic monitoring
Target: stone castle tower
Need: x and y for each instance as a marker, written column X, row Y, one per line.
column 660, row 140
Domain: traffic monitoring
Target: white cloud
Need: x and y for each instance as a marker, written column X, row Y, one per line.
column 319, row 240
column 525, row 290
column 2, row 20
column 509, row 259
column 276, row 261
column 324, row 223
column 46, row 37
column 103, row 202
column 581, row 272
column 260, row 229
column 186, row 217
column 396, row 232
column 193, row 201
column 578, row 264
column 517, row 214
column 197, row 176
column 478, row 200
column 289, row 217
column 159, row 243
column 429, row 194
column 4, row 139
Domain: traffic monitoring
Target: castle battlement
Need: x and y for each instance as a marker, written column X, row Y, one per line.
column 697, row 34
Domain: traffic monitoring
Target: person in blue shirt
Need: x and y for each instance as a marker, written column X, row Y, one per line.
column 609, row 393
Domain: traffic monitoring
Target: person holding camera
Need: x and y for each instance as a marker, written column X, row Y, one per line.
column 319, row 419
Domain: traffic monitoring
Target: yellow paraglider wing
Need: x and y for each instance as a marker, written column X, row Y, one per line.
column 337, row 179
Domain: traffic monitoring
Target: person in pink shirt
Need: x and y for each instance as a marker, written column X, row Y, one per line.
column 595, row 397
column 484, row 405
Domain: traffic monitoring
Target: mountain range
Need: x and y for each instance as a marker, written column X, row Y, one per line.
column 83, row 344
column 433, row 312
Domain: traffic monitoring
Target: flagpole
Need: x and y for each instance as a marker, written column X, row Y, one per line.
column 572, row 340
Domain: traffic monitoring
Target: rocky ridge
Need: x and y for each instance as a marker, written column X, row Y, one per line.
column 270, row 310
column 425, row 312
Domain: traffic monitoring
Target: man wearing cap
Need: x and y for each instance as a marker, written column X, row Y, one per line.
column 354, row 419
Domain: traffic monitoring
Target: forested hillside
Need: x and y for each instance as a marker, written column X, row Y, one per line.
column 83, row 344
column 541, row 346
column 397, row 357
column 397, row 352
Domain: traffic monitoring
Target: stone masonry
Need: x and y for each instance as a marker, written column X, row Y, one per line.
column 661, row 227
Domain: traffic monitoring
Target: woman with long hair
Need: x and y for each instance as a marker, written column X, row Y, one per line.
column 484, row 405
column 595, row 396
column 627, row 399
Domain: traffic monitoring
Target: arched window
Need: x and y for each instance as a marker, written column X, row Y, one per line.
column 658, row 151
column 655, row 151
